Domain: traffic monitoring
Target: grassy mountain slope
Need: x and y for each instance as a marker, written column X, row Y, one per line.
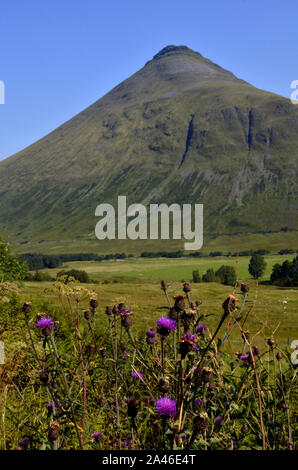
column 181, row 129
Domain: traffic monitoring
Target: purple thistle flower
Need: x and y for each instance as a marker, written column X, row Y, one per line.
column 137, row 375
column 166, row 407
column 167, row 323
column 245, row 357
column 198, row 401
column 126, row 443
column 190, row 337
column 200, row 328
column 96, row 436
column 45, row 322
column 24, row 442
column 218, row 419
column 151, row 333
column 149, row 399
column 52, row 405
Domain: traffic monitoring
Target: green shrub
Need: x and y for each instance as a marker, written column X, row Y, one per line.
column 227, row 274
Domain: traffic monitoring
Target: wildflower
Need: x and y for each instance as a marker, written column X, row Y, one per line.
column 43, row 376
column 206, row 374
column 200, row 422
column 27, row 307
column 166, row 407
column 87, row 314
column 132, row 407
column 126, row 443
column 136, row 375
column 198, row 401
column 53, row 431
column 96, row 436
column 149, row 399
column 163, row 385
column 165, row 326
column 52, row 405
column 125, row 313
column 179, row 303
column 45, row 324
column 201, row 329
column 93, row 302
column 218, row 419
column 279, row 356
column 229, row 304
column 151, row 337
column 24, row 443
column 187, row 344
column 244, row 287
column 186, row 287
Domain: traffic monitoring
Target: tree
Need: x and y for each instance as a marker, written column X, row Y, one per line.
column 227, row 274
column 196, row 276
column 257, row 266
column 285, row 274
column 12, row 268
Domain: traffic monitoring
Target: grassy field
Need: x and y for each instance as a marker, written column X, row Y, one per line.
column 148, row 270
column 137, row 283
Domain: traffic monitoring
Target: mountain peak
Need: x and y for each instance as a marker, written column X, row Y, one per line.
column 170, row 50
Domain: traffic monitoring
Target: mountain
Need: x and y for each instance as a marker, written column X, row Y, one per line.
column 181, row 129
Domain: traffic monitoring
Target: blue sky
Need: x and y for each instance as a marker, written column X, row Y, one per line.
column 58, row 57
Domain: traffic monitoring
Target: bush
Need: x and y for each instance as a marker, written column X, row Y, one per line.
column 196, row 276
column 227, row 274
column 78, row 274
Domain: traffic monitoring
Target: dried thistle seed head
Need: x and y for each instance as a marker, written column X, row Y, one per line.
column 94, row 302
column 164, row 385
column 87, row 314
column 132, row 407
column 173, row 314
column 109, row 310
column 200, row 422
column 270, row 342
column 255, row 351
column 188, row 318
column 186, row 287
column 115, row 310
column 244, row 287
column 126, row 321
column 53, row 431
column 27, row 307
column 179, row 303
column 229, row 304
column 245, row 335
column 193, row 305
column 206, row 374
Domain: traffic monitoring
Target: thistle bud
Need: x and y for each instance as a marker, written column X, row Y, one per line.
column 109, row 311
column 132, row 407
column 163, row 284
column 279, row 356
column 27, row 307
column 270, row 342
column 186, row 287
column 179, row 303
column 244, row 287
column 87, row 314
column 94, row 302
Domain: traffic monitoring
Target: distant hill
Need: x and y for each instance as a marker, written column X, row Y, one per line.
column 182, row 129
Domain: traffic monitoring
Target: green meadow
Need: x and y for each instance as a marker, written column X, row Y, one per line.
column 273, row 310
